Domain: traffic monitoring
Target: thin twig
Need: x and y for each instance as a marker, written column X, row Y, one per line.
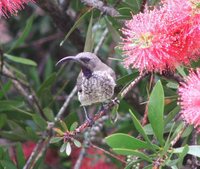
column 36, row 152
column 106, row 109
column 132, row 85
column 145, row 119
column 83, row 151
column 102, row 7
column 42, row 144
column 62, row 20
column 178, row 136
column 65, row 105
column 195, row 161
column 80, row 157
column 108, row 153
column 29, row 96
column 101, row 41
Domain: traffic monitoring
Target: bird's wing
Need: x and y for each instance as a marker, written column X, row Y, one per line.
column 79, row 82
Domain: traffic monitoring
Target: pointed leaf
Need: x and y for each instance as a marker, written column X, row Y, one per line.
column 47, row 84
column 68, row 149
column 39, row 121
column 24, row 34
column 126, row 152
column 114, row 33
column 21, row 60
column 77, row 143
column 89, row 42
column 63, row 147
column 156, row 110
column 56, row 139
column 73, row 126
column 193, row 150
column 121, row 140
column 7, row 164
column 64, row 126
column 48, row 113
column 6, row 105
column 140, row 129
column 20, row 156
column 77, row 23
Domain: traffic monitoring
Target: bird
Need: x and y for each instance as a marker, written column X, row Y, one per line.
column 95, row 83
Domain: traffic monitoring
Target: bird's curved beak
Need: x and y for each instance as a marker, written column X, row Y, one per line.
column 67, row 58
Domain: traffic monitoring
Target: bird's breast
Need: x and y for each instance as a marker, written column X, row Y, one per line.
column 98, row 88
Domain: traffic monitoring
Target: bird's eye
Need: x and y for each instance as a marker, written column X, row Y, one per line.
column 85, row 60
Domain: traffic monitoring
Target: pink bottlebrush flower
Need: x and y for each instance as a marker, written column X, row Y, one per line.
column 10, row 7
column 162, row 38
column 152, row 41
column 189, row 99
column 187, row 12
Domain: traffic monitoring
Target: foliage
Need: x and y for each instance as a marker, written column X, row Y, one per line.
column 141, row 130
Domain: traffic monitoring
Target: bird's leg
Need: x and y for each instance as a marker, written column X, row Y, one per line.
column 90, row 121
column 103, row 105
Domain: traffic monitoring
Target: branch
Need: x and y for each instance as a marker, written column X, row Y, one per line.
column 43, row 143
column 105, row 109
column 62, row 20
column 108, row 153
column 102, row 7
column 83, row 150
column 101, row 41
column 178, row 136
column 28, row 95
column 132, row 85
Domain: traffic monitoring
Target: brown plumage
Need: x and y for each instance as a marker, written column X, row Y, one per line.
column 96, row 82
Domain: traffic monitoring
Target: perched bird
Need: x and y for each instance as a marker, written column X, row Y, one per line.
column 96, row 82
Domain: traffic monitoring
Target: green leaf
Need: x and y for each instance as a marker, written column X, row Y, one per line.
column 3, row 119
column 180, row 158
column 77, row 143
column 127, row 78
column 63, row 125
column 49, row 114
column 77, row 23
column 68, row 149
column 17, row 129
column 24, row 34
column 171, row 115
column 89, row 42
column 123, row 151
column 156, row 110
column 177, row 130
column 73, row 126
column 31, row 134
column 114, row 33
column 47, row 84
column 5, row 88
column 181, row 71
column 55, row 139
column 193, row 150
column 20, row 156
column 63, row 147
column 121, row 140
column 140, row 129
column 8, row 164
column 21, row 60
column 7, row 105
column 39, row 121
column 172, row 85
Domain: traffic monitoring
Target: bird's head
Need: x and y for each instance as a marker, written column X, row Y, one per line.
column 87, row 60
